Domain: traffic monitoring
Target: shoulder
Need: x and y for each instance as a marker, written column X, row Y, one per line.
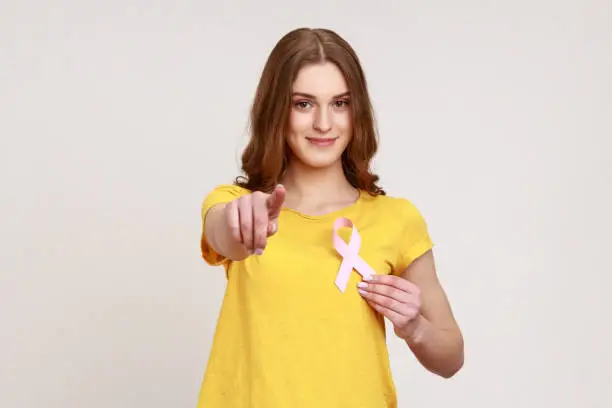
column 393, row 206
column 229, row 190
column 405, row 226
column 223, row 193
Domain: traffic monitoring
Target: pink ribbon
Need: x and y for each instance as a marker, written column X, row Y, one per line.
column 349, row 253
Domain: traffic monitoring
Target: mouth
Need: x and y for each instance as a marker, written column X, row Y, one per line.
column 322, row 141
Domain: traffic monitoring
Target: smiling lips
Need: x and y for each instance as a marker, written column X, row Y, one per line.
column 322, row 141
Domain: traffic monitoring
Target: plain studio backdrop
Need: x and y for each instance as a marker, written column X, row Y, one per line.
column 118, row 117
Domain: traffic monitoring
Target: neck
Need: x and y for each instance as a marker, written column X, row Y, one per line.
column 307, row 183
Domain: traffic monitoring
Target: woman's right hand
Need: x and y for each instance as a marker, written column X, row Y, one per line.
column 252, row 218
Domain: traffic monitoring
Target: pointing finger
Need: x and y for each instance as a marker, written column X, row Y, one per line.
column 275, row 201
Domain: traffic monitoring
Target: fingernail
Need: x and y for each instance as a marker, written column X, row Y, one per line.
column 259, row 251
column 362, row 285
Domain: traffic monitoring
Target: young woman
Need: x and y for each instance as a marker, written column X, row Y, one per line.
column 316, row 254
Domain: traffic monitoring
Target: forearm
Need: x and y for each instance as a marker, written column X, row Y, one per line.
column 220, row 237
column 440, row 350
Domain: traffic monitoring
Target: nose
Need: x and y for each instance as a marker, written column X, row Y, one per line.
column 322, row 121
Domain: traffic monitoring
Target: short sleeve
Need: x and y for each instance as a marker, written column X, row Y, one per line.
column 414, row 239
column 219, row 195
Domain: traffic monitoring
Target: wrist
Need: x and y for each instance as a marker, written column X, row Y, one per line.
column 418, row 329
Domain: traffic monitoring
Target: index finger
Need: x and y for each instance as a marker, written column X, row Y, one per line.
column 275, row 201
column 395, row 281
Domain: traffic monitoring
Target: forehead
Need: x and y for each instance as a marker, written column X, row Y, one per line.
column 323, row 80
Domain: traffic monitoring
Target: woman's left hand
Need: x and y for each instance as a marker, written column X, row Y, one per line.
column 395, row 298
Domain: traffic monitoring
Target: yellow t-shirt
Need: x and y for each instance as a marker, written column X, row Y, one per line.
column 286, row 336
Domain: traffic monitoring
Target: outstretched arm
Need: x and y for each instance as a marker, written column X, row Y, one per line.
column 241, row 227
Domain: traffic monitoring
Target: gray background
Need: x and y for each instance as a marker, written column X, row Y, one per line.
column 117, row 117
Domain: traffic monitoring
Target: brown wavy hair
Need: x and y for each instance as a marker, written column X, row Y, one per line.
column 265, row 157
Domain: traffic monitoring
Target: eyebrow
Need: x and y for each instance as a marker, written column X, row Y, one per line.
column 307, row 95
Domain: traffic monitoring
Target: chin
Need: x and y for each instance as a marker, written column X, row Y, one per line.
column 321, row 163
column 321, row 160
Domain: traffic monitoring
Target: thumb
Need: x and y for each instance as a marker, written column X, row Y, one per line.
column 275, row 201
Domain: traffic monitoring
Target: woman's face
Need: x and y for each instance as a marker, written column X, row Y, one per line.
column 320, row 122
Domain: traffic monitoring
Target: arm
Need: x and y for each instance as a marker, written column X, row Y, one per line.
column 417, row 306
column 220, row 237
column 436, row 339
column 239, row 228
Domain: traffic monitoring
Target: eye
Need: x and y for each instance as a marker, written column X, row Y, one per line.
column 302, row 105
column 341, row 103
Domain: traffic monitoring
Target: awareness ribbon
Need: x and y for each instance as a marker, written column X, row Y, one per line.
column 349, row 253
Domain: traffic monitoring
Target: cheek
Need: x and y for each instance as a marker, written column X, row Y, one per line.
column 299, row 122
column 344, row 122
